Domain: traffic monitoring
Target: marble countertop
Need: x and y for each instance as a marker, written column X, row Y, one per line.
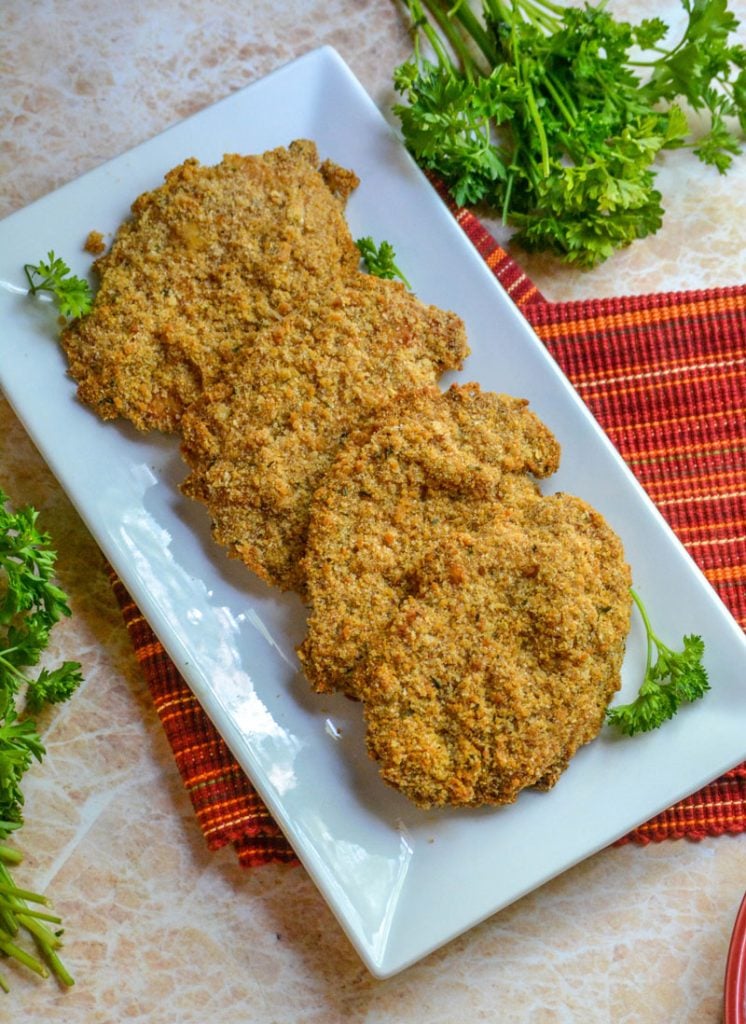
column 159, row 929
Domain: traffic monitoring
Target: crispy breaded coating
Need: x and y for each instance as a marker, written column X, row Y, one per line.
column 501, row 664
column 94, row 243
column 204, row 262
column 260, row 440
column 481, row 623
column 431, row 464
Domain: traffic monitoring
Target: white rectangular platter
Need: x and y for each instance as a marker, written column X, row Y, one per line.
column 401, row 881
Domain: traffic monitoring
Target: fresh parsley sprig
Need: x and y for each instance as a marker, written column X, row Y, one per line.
column 31, row 603
column 546, row 115
column 72, row 294
column 672, row 678
column 380, row 260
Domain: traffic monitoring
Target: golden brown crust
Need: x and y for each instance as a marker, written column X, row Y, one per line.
column 206, row 260
column 259, row 441
column 94, row 243
column 481, row 623
column 340, row 181
column 501, row 665
column 432, row 464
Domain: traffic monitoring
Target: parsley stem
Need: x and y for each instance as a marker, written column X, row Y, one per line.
column 46, row 940
column 508, row 193
column 495, row 10
column 563, row 101
column 473, row 27
column 9, row 889
column 32, row 921
column 58, row 968
column 535, row 16
column 9, row 666
column 10, row 948
column 39, row 286
column 653, row 640
column 648, row 630
column 539, row 126
column 39, row 915
column 419, row 19
column 8, row 921
column 541, row 6
column 452, row 35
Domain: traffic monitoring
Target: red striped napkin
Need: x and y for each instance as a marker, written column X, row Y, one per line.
column 665, row 375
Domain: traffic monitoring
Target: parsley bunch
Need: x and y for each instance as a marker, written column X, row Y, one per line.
column 672, row 678
column 30, row 605
column 547, row 115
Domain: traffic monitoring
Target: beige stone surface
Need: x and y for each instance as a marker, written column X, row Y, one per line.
column 160, row 930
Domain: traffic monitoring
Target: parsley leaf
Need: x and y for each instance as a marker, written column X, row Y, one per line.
column 380, row 260
column 30, row 604
column 672, row 678
column 72, row 294
column 53, row 687
column 20, row 743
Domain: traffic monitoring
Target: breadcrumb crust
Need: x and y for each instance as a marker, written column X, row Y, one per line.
column 432, row 463
column 203, row 263
column 259, row 442
column 481, row 623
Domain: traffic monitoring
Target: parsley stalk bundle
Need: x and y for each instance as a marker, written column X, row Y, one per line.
column 553, row 116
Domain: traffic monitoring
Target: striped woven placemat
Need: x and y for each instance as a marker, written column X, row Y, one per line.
column 665, row 375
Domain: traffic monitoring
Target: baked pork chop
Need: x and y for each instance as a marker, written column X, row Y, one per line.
column 481, row 622
column 204, row 262
column 430, row 464
column 502, row 663
column 259, row 441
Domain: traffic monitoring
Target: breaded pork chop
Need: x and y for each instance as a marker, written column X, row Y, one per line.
column 431, row 464
column 205, row 261
column 259, row 441
column 501, row 665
